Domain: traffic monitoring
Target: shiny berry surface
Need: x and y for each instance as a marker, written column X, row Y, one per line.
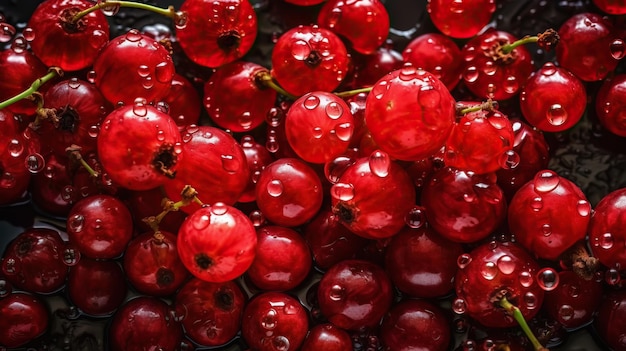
column 460, row 19
column 606, row 230
column 95, row 287
column 327, row 337
column 24, row 317
column 574, row 301
column 611, row 315
column 610, row 106
column 438, row 54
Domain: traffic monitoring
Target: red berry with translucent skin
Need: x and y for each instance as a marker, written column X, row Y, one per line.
column 20, row 68
column 97, row 287
column 211, row 312
column 152, row 265
column 327, row 337
column 309, row 58
column 479, row 141
column 183, row 102
column 215, row 33
column 607, row 230
column 553, row 99
column 612, row 7
column 76, row 44
column 363, row 23
column 257, row 157
column 463, row 206
column 584, row 46
column 574, row 301
column 409, row 113
column 319, row 126
column 235, row 99
column 437, row 54
column 34, row 261
column 217, row 243
column 274, row 321
column 215, row 166
column 422, row 263
column 24, row 318
column 142, row 323
column 368, row 69
column 489, row 74
column 289, row 192
column 415, row 325
column 282, row 261
column 548, row 215
column 460, row 19
column 142, row 63
column 610, row 318
column 139, row 146
column 493, row 270
column 373, row 196
column 100, row 226
column 610, row 104
column 146, row 203
column 354, row 294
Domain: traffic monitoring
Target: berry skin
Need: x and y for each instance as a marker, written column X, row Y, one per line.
column 327, row 337
column 553, row 99
column 97, row 287
column 460, row 19
column 20, row 68
column 612, row 7
column 217, row 243
column 24, row 318
column 607, row 234
column 216, row 32
column 438, row 54
column 610, row 104
column 609, row 320
column 574, row 301
column 409, row 129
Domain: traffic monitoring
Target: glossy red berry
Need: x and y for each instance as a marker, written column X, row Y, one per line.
column 553, row 99
column 211, row 312
column 17, row 150
column 319, row 126
column 100, row 226
column 607, row 234
column 354, row 294
column 460, row 19
column 327, row 337
column 142, row 63
column 610, row 104
column 257, row 156
column 97, row 287
column 217, row 243
column 574, row 301
column 76, row 43
column 146, row 203
column 363, row 23
column 609, row 319
column 368, row 69
column 373, row 196
column 215, row 33
column 548, row 215
column 409, row 128
column 309, row 58
column 438, row 54
column 274, row 321
column 183, row 102
column 20, row 69
column 611, row 7
column 139, row 146
column 24, row 318
column 289, row 192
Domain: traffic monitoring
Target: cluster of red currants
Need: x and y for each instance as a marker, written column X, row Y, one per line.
column 347, row 193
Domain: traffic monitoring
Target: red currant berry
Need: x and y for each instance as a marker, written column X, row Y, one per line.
column 409, row 128
column 607, row 231
column 257, row 156
column 319, row 126
column 612, row 7
column 20, row 68
column 460, row 19
column 574, row 301
column 368, row 69
column 97, row 287
column 24, row 318
column 215, row 33
column 217, row 243
column 327, row 337
column 309, row 58
column 553, row 99
column 610, row 104
column 437, row 54
column 183, row 102
column 146, row 203
column 610, row 318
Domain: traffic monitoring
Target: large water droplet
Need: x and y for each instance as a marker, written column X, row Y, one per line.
column 334, row 110
column 15, row 148
column 143, row 71
column 489, row 270
column 300, row 50
column 275, row 188
column 342, row 191
column 548, row 279
column 407, row 73
column 463, row 260
column 311, row 102
column 506, row 264
column 556, row 115
column 470, row 74
column 548, row 69
column 617, row 48
column 7, row 31
column 139, row 107
column 379, row 163
column 219, row 209
column 35, row 163
column 335, row 168
column 583, row 207
column 337, row 293
column 269, row 321
column 526, row 279
column 546, row 181
column 280, row 343
column 343, row 131
column 416, row 217
column 459, row 306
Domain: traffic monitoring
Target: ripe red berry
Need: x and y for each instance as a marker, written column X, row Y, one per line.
column 607, row 234
column 438, row 54
column 611, row 7
column 327, row 337
column 20, row 68
column 574, row 301
column 24, row 318
column 610, row 318
column 183, row 102
column 460, row 19
column 97, row 287
column 611, row 106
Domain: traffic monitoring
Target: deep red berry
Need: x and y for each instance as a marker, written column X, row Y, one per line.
column 611, row 7
column 20, row 68
column 610, row 318
column 257, row 156
column 327, row 337
column 183, row 102
column 460, row 19
column 217, row 243
column 607, row 231
column 409, row 128
column 146, row 203
column 610, row 104
column 97, row 287
column 438, row 54
column 215, row 33
column 24, row 318
column 574, row 301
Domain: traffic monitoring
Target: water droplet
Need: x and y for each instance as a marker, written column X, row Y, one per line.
column 379, row 163
column 566, row 312
column 143, row 71
column 463, row 260
column 9, row 266
column 490, row 68
column 335, row 168
column 274, row 117
column 380, row 88
column 15, row 147
column 69, row 193
column 5, row 288
column 29, row 34
column 163, row 72
column 489, row 270
column 229, row 163
column 91, row 76
column 269, row 321
column 509, row 159
column 139, row 107
column 333, row 17
column 35, row 163
column 407, row 73
column 275, row 188
column 506, row 264
column 428, row 97
column 530, row 300
column 160, row 135
column 617, row 48
column 536, row 203
column 71, row 255
column 280, row 343
column 613, row 277
column 318, row 132
column 343, row 131
column 201, row 222
column 257, row 218
column 181, row 19
column 526, row 279
column 469, row 197
column 416, row 217
column 546, row 181
column 583, row 207
column 147, row 82
column 74, row 83
column 556, row 115
column 7, row 32
column 470, row 74
column 300, row 50
column 511, row 85
column 546, row 229
column 342, row 191
column 334, row 110
column 573, row 290
column 548, row 279
column 19, row 45
column 459, row 306
column 606, row 241
column 337, row 293
column 133, row 35
column 456, row 7
column 548, row 69
column 76, row 222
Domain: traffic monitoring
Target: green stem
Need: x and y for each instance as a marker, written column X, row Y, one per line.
column 349, row 93
column 507, row 48
column 265, row 78
column 169, row 12
column 54, row 72
column 487, row 105
column 546, row 40
column 515, row 312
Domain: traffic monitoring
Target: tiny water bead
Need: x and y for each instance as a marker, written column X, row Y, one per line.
column 463, row 260
column 342, row 191
column 275, row 188
column 618, row 48
column 489, row 270
column 416, row 217
column 546, row 181
column 548, row 279
column 459, row 306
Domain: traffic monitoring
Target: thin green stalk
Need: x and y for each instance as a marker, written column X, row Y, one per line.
column 34, row 87
column 515, row 312
column 349, row 93
column 169, row 12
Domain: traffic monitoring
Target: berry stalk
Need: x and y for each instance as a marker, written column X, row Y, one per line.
column 515, row 312
column 546, row 40
column 177, row 16
column 34, row 87
column 265, row 78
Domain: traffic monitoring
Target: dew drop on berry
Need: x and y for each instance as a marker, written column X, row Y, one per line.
column 490, row 68
column 275, row 188
column 7, row 32
column 35, row 163
column 526, row 279
column 91, row 76
column 618, row 48
column 269, row 320
column 143, row 71
column 530, row 300
column 606, row 241
column 335, row 168
column 342, row 191
column 15, row 148
column 257, row 218
column 511, row 85
column 428, row 97
column 160, row 135
column 5, row 288
column 110, row 10
column 71, row 255
column 318, row 132
column 536, row 203
column 463, row 260
column 546, row 229
column 469, row 197
column 612, row 277
column 343, row 131
column 219, row 208
column 407, row 73
column 548, row 69
column 69, row 193
column 201, row 222
column 506, row 264
column 459, row 306
column 163, row 72
column 29, row 34
column 566, row 312
column 133, row 35
column 139, row 107
column 229, row 163
column 76, row 223
column 147, row 82
column 271, row 144
column 74, row 83
column 334, row 110
column 9, row 265
column 274, row 117
column 19, row 45
column 280, row 343
column 470, row 74
column 333, row 17
column 416, row 217
column 556, row 115
column 489, row 270
column 379, row 163
column 546, row 181
column 548, row 279
column 300, row 50
column 509, row 159
column 337, row 293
